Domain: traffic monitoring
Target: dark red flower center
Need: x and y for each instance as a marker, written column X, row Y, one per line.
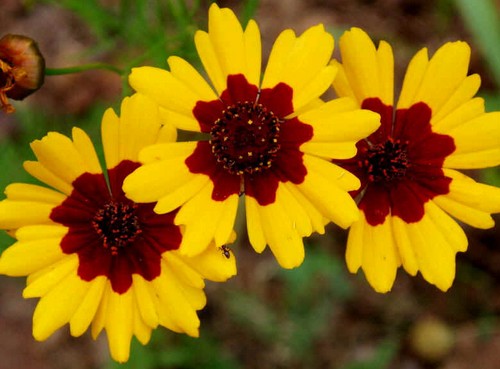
column 387, row 161
column 401, row 164
column 117, row 225
column 253, row 144
column 245, row 138
column 113, row 236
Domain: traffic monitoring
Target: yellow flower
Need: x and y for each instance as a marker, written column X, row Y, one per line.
column 95, row 257
column 410, row 185
column 269, row 140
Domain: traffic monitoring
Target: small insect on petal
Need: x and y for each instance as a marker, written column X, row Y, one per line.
column 225, row 251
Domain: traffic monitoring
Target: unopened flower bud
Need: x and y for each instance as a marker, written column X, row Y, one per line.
column 22, row 69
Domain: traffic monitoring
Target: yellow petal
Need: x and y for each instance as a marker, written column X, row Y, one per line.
column 296, row 213
column 15, row 214
column 326, row 186
column 146, row 300
column 174, row 305
column 202, row 217
column 464, row 93
column 253, row 53
column 168, row 91
column 24, row 258
column 86, row 151
column 187, row 74
column 211, row 264
column 380, row 256
column 56, row 308
column 151, row 182
column 30, row 192
column 60, row 156
column 43, row 281
column 181, row 267
column 40, row 172
column 255, row 227
column 177, row 197
column 474, row 160
column 302, row 63
column 449, row 228
column 138, row 127
column 210, row 60
column 479, row 134
column 39, row 232
column 85, row 313
column 342, row 85
column 110, row 131
column 316, row 218
column 361, row 66
column 139, row 328
column 227, row 50
column 354, row 248
column 100, row 317
column 282, row 235
column 119, row 323
column 329, row 150
column 463, row 114
column 469, row 201
column 413, row 79
column 193, row 295
column 385, row 63
column 335, row 122
column 404, row 245
column 434, row 254
column 445, row 72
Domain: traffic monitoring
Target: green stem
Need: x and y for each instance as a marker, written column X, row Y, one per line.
column 82, row 68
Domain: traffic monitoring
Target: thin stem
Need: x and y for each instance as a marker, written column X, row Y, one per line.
column 82, row 68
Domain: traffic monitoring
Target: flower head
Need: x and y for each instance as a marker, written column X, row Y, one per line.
column 22, row 69
column 268, row 140
column 93, row 256
column 409, row 182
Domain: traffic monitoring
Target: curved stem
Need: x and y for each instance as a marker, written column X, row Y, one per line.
column 82, row 68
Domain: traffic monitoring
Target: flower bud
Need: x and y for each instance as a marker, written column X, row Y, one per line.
column 22, row 69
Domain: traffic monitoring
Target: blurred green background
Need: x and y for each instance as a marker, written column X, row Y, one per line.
column 316, row 316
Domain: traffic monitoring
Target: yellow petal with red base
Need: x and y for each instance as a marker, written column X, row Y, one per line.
column 435, row 81
column 366, row 71
column 170, row 93
column 227, row 50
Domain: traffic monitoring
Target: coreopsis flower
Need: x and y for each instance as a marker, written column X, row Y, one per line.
column 270, row 141
column 93, row 256
column 411, row 190
column 22, row 69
